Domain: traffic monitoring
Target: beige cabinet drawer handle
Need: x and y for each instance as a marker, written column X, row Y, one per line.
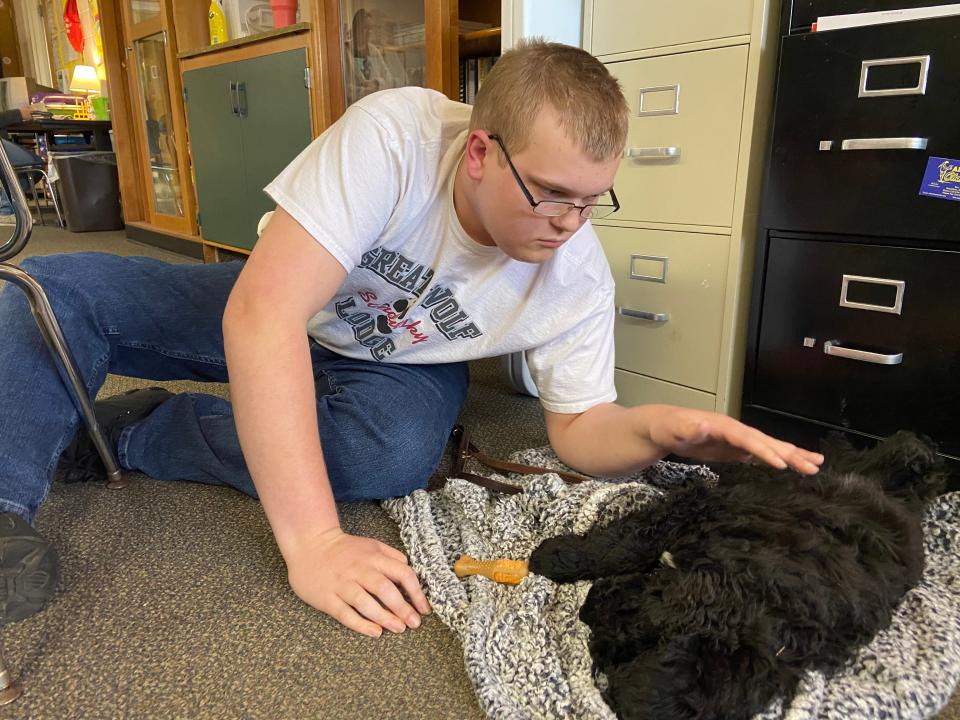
column 642, row 315
column 833, row 347
column 655, row 153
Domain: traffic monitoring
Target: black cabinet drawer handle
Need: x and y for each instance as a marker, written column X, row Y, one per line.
column 642, row 315
column 919, row 89
column 833, row 347
column 889, row 143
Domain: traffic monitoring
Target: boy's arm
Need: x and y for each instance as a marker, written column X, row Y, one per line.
column 288, row 279
column 610, row 440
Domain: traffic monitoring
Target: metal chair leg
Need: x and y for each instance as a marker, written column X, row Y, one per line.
column 36, row 199
column 53, row 336
column 10, row 689
column 52, row 194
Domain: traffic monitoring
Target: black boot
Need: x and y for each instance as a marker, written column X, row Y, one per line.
column 30, row 569
column 81, row 461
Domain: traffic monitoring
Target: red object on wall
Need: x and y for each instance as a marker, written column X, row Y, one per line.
column 71, row 23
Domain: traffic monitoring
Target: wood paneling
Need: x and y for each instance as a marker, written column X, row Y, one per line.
column 132, row 190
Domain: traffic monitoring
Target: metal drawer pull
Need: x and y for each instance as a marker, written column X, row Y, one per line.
column 897, row 306
column 833, row 347
column 675, row 110
column 919, row 89
column 642, row 315
column 896, row 143
column 652, row 152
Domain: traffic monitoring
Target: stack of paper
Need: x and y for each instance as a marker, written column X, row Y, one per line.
column 837, row 22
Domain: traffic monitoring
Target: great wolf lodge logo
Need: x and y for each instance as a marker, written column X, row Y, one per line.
column 949, row 172
column 374, row 320
column 397, row 270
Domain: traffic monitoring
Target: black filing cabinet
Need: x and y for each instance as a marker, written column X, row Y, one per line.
column 855, row 313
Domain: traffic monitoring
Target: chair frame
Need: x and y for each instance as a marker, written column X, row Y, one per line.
column 29, row 171
column 47, row 320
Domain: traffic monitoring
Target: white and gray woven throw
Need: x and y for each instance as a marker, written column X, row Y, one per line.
column 526, row 650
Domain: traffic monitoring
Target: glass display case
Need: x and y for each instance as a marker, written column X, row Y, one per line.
column 383, row 46
column 157, row 115
column 158, row 132
column 143, row 10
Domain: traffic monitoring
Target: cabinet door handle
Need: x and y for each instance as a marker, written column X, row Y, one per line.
column 234, row 99
column 890, row 143
column 652, row 152
column 643, row 314
column 835, row 348
column 242, row 99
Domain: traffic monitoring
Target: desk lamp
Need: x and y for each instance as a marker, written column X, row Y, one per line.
column 84, row 81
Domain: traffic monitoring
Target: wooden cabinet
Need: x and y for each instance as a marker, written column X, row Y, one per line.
column 698, row 80
column 248, row 119
column 151, row 131
column 375, row 45
column 414, row 42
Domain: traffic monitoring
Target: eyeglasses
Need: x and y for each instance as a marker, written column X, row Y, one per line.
column 555, row 208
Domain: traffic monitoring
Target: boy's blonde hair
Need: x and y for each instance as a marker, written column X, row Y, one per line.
column 593, row 112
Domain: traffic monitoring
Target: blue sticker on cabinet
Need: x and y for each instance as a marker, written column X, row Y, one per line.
column 941, row 179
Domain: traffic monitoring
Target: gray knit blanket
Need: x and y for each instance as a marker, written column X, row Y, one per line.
column 526, row 650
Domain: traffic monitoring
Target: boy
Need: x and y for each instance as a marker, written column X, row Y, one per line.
column 409, row 238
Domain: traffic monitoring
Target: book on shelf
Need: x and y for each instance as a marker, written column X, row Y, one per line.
column 473, row 71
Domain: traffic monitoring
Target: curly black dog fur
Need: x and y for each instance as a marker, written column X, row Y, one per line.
column 714, row 602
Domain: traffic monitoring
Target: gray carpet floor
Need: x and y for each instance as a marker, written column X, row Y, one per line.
column 174, row 601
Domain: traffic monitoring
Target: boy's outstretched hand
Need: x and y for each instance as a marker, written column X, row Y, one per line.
column 357, row 581
column 710, row 436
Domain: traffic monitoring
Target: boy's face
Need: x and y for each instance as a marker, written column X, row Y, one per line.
column 552, row 167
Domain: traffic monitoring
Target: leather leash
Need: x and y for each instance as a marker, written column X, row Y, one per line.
column 464, row 451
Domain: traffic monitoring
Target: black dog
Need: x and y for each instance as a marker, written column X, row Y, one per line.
column 716, row 601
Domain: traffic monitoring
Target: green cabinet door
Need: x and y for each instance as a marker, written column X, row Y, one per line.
column 276, row 123
column 216, row 143
column 248, row 119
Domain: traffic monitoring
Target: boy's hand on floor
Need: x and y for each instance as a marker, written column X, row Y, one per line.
column 358, row 582
column 711, row 436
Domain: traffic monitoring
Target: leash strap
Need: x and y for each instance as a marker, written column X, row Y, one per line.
column 464, row 451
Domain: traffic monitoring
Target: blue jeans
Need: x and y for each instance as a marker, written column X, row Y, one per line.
column 383, row 427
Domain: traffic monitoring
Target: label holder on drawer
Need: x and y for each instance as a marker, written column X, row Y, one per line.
column 635, row 274
column 919, row 89
column 675, row 110
column 898, row 285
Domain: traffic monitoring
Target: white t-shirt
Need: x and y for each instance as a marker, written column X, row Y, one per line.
column 376, row 190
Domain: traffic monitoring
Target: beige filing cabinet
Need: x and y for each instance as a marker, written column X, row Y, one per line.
column 698, row 75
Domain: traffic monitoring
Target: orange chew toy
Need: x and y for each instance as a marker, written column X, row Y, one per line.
column 509, row 572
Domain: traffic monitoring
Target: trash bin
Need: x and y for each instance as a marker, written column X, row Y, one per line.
column 89, row 190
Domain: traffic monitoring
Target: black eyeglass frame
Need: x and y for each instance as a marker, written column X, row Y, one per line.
column 534, row 203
